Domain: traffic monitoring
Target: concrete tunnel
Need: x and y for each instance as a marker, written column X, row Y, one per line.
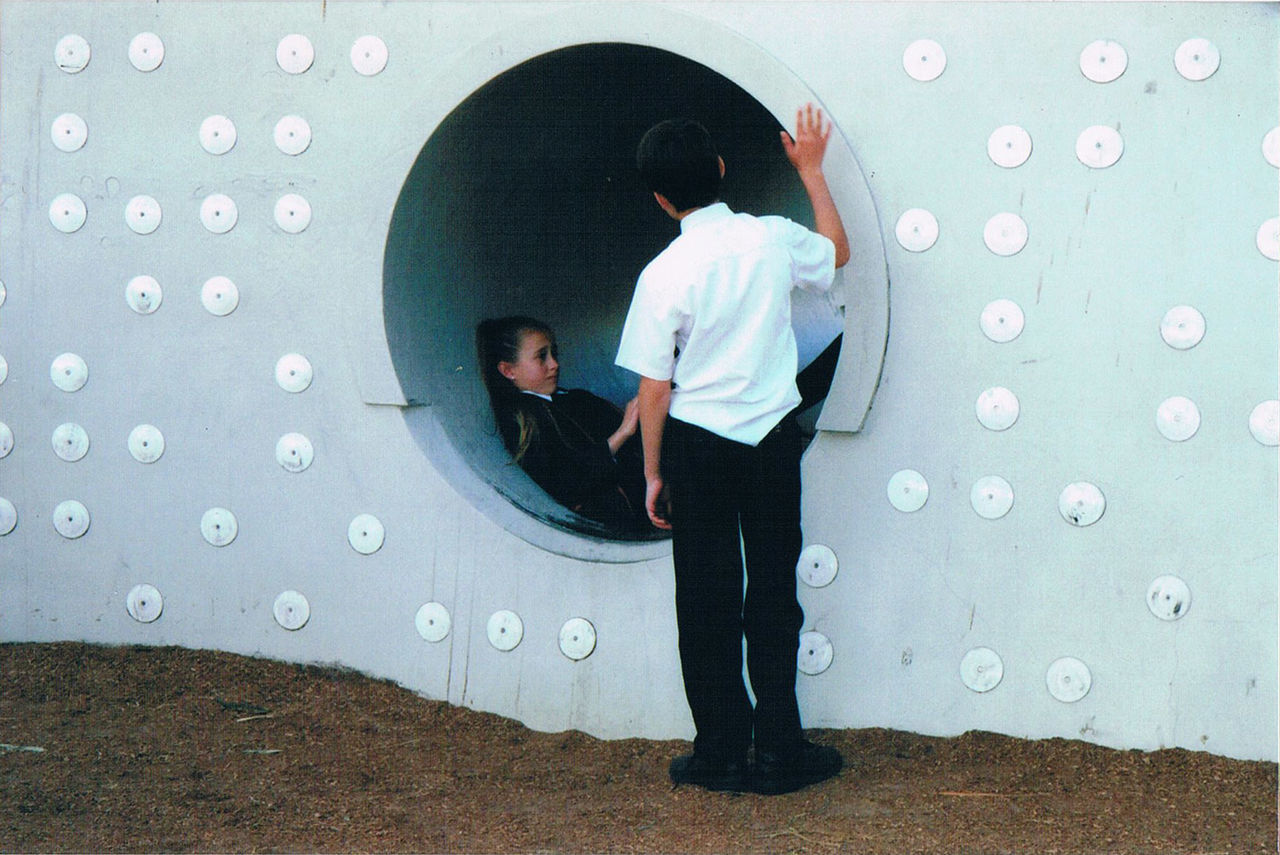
column 525, row 200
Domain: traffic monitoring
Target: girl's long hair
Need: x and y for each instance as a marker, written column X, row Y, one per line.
column 498, row 340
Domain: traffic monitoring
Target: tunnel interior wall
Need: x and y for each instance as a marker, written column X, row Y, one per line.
column 937, row 619
column 525, row 200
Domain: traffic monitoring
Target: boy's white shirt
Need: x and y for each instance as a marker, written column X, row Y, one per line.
column 721, row 294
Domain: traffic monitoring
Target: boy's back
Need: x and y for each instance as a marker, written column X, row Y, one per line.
column 722, row 292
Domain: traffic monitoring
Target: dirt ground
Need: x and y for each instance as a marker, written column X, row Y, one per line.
column 110, row 749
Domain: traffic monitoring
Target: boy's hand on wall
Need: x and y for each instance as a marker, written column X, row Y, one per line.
column 806, row 149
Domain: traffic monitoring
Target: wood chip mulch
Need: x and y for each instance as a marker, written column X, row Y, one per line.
column 129, row 749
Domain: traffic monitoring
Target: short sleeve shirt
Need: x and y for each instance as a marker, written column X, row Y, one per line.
column 712, row 313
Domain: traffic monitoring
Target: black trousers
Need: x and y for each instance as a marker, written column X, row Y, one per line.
column 722, row 491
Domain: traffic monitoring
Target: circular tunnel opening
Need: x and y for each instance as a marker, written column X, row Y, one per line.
column 525, row 200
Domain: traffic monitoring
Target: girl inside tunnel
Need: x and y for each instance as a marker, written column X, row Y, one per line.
column 584, row 451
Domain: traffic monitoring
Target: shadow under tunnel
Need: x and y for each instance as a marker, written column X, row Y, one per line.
column 526, row 200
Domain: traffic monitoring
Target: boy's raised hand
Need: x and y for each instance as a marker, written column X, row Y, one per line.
column 806, row 149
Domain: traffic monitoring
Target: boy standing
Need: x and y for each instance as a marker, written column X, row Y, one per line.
column 709, row 333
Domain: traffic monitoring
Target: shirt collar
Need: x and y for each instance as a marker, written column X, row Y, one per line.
column 535, row 394
column 711, row 212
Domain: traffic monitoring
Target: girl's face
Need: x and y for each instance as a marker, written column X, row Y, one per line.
column 535, row 368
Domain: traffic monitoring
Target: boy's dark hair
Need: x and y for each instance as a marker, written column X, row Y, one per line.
column 678, row 159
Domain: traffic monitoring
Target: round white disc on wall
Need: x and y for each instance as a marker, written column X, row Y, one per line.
column 1002, row 321
column 1271, row 147
column 369, row 55
column 293, row 213
column 6, row 440
column 67, row 213
column 219, row 526
column 295, row 53
column 1005, row 234
column 1182, row 327
column 432, row 622
column 220, row 296
column 1168, row 598
column 505, row 629
column 1177, row 418
column 8, row 517
column 1068, row 679
column 817, row 566
column 144, row 603
column 4, row 370
column 218, row 213
column 991, row 497
column 146, row 51
column 917, row 230
column 142, row 214
column 217, row 135
column 69, row 372
column 924, row 60
column 291, row 610
column 1268, row 239
column 294, row 452
column 1009, row 146
column 366, row 534
column 72, row 53
column 997, row 408
column 69, row 132
column 1264, row 422
column 146, row 443
column 577, row 638
column 293, row 135
column 1099, row 146
column 981, row 669
column 3, row 293
column 1081, row 503
column 71, row 519
column 1103, row 61
column 908, row 490
column 815, row 653
column 1196, row 59
column 143, row 294
column 293, row 372
column 70, row 442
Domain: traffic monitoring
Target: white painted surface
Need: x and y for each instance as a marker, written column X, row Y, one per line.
column 1175, row 222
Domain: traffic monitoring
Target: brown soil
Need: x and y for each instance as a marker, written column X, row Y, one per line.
column 147, row 750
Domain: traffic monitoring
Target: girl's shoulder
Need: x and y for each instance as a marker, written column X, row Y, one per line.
column 511, row 406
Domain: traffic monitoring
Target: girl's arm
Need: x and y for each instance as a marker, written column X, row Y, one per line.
column 626, row 430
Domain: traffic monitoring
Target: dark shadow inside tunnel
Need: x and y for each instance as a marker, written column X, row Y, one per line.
column 525, row 200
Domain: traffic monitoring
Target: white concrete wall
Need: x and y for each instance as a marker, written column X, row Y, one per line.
column 1175, row 221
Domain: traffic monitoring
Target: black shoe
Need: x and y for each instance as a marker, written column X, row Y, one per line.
column 711, row 774
column 798, row 767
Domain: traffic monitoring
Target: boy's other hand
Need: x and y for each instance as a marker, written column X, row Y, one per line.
column 657, row 503
column 806, row 149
